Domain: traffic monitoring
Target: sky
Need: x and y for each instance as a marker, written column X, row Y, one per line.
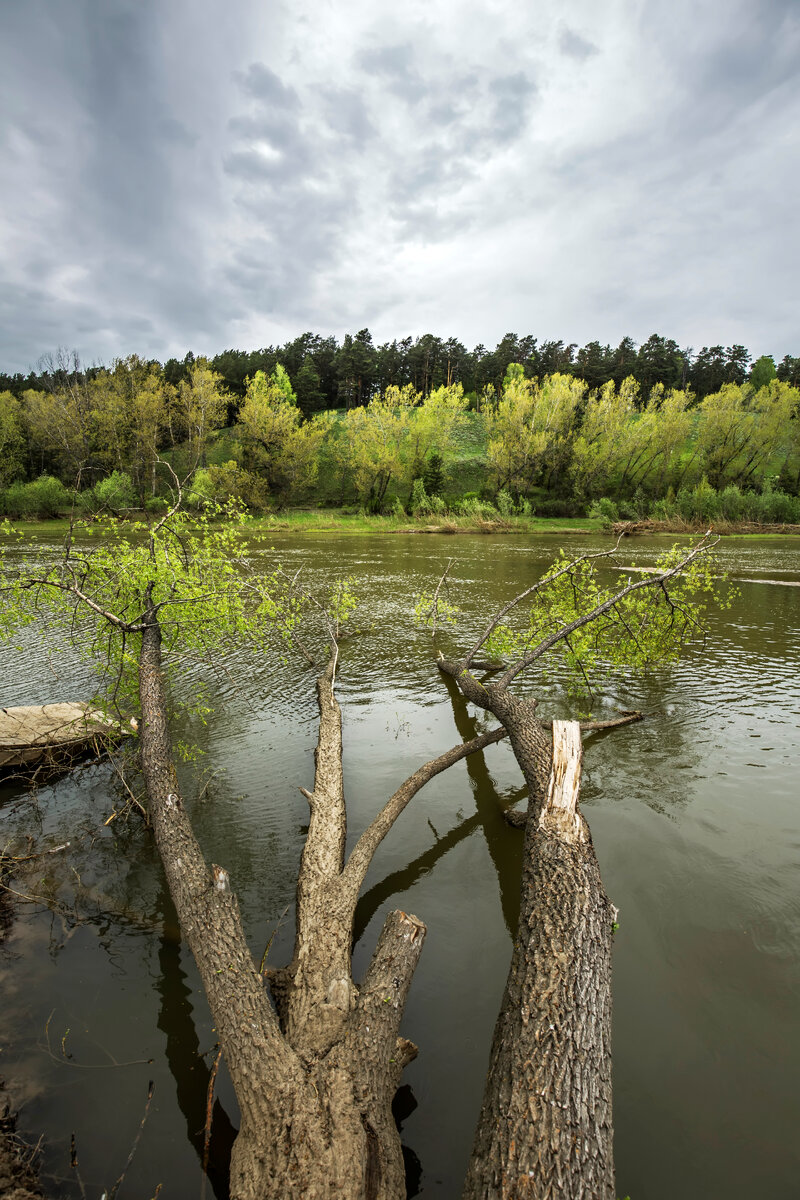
column 202, row 174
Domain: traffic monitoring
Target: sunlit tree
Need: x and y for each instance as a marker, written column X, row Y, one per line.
column 531, row 428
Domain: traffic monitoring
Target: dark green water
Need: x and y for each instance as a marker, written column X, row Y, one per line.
column 695, row 817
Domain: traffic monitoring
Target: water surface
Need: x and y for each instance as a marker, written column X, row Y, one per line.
column 694, row 815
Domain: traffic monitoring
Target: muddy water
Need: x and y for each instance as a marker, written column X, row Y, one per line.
column 696, row 825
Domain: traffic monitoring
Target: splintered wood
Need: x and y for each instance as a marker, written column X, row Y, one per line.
column 561, row 807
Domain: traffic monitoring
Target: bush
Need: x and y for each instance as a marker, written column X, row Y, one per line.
column 115, row 492
column 604, row 510
column 505, row 503
column 777, row 507
column 221, row 483
column 705, row 502
column 43, row 497
column 419, row 504
column 471, row 506
column 732, row 504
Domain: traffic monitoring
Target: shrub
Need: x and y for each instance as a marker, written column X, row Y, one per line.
column 732, row 504
column 471, row 506
column 604, row 510
column 505, row 503
column 705, row 502
column 419, row 504
column 43, row 497
column 115, row 492
column 777, row 507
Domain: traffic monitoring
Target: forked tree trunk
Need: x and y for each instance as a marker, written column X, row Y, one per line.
column 545, row 1129
column 315, row 1075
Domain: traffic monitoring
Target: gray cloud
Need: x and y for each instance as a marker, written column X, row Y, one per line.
column 512, row 96
column 346, row 113
column 172, row 182
column 262, row 83
column 575, row 46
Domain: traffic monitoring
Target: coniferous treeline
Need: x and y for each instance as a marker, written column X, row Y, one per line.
column 327, row 374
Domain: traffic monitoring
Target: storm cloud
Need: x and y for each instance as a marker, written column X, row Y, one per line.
column 201, row 176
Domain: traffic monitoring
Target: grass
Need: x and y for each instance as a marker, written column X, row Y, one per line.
column 328, row 520
column 332, row 521
column 337, row 521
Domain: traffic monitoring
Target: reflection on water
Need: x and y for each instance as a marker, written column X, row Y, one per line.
column 694, row 817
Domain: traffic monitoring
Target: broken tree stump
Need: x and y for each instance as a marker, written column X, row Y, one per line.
column 545, row 1128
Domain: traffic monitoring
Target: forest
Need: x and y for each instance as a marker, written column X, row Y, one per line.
column 421, row 430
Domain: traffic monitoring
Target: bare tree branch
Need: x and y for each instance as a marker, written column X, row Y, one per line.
column 364, row 849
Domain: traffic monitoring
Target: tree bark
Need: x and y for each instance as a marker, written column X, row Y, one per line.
column 545, row 1129
column 315, row 1075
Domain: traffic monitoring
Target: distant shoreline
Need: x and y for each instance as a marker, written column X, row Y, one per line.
column 335, row 521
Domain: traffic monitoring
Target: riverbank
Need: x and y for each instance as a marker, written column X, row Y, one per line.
column 724, row 528
column 339, row 522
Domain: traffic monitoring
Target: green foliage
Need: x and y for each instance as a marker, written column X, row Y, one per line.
column 227, row 483
column 613, row 424
column 418, row 504
column 342, row 603
column 433, row 475
column 431, row 610
column 43, row 497
column 505, row 503
column 277, row 445
column 604, row 510
column 115, row 491
column 531, row 428
column 648, row 626
column 471, row 506
column 12, row 440
column 195, row 568
column 763, row 371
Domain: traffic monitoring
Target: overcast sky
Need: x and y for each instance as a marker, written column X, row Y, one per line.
column 199, row 174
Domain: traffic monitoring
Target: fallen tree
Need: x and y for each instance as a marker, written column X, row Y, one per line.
column 315, row 1059
column 546, row 1126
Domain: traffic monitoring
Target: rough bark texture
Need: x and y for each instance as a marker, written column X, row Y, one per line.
column 528, row 737
column 545, row 1128
column 315, row 1075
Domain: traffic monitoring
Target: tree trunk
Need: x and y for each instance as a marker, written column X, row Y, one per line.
column 315, row 1076
column 315, row 1101
column 545, row 1129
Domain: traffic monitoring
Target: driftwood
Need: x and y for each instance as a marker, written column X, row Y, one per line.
column 545, row 1128
column 33, row 733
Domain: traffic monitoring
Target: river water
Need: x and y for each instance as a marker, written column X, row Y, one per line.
column 696, row 824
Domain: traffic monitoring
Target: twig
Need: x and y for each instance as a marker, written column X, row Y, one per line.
column 28, row 857
column 434, row 608
column 263, row 967
column 212, row 1079
column 112, row 1194
column 73, row 1162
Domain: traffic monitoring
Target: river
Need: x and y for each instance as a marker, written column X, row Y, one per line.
column 696, row 823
